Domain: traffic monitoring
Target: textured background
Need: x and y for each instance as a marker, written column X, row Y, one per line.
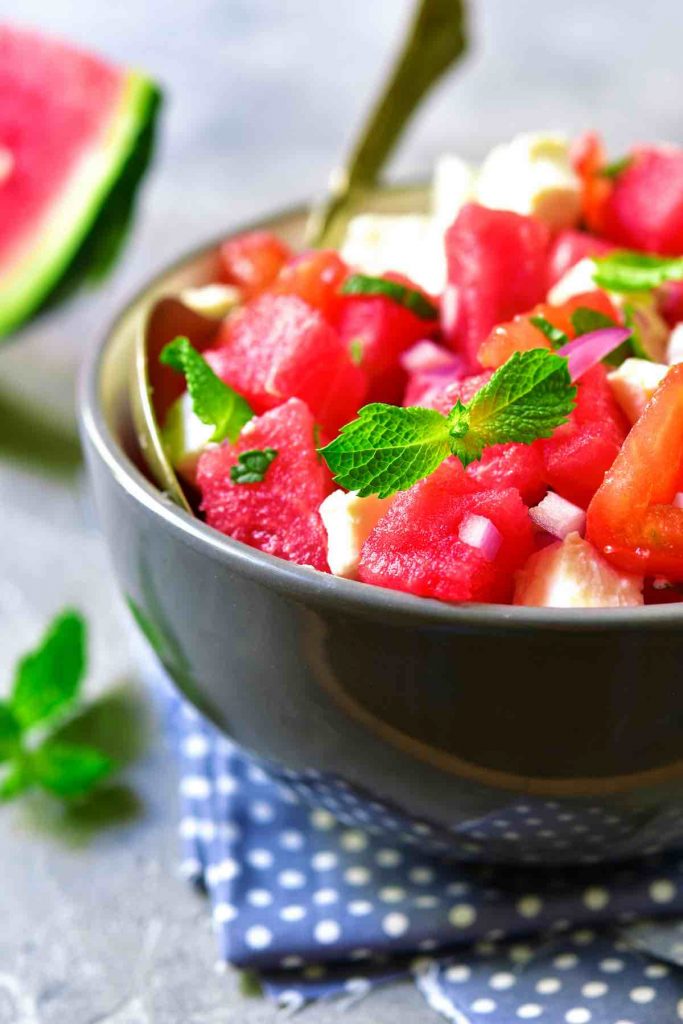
column 95, row 926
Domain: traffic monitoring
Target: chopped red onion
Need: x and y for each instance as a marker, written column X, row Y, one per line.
column 479, row 532
column 558, row 516
column 589, row 349
column 426, row 356
column 450, row 301
column 678, row 500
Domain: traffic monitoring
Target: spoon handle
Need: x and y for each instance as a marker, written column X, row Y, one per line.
column 436, row 39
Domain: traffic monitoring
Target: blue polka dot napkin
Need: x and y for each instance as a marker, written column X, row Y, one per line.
column 321, row 909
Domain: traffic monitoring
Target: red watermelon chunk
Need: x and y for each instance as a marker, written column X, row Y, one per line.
column 280, row 514
column 496, row 269
column 569, row 248
column 416, row 548
column 252, row 261
column 278, row 347
column 511, row 465
column 581, row 451
column 644, row 209
column 382, row 329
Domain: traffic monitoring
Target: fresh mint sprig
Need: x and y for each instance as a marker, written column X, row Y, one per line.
column 388, row 449
column 215, row 403
column 626, row 271
column 47, row 683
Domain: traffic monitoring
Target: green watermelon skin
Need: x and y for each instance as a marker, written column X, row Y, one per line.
column 77, row 135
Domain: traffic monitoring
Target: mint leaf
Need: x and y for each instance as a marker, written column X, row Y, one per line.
column 403, row 294
column 615, row 168
column 387, row 449
column 10, row 732
column 526, row 398
column 215, row 403
column 555, row 336
column 47, row 679
column 251, row 466
column 585, row 320
column 17, row 779
column 68, row 770
column 625, row 271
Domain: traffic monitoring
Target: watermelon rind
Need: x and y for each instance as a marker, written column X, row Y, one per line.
column 84, row 232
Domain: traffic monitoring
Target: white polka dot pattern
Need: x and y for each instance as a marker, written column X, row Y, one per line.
column 310, row 896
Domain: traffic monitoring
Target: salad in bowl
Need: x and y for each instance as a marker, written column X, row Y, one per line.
column 480, row 403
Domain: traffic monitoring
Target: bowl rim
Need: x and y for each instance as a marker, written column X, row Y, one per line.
column 303, row 582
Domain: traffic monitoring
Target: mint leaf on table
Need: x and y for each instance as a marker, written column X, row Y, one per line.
column 15, row 781
column 626, row 271
column 526, row 399
column 215, row 403
column 47, row 683
column 388, row 449
column 555, row 336
column 68, row 770
column 47, row 680
column 403, row 294
column 10, row 732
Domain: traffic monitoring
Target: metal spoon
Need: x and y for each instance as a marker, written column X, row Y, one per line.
column 153, row 387
column 434, row 41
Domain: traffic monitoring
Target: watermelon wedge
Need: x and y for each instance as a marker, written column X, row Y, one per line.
column 76, row 136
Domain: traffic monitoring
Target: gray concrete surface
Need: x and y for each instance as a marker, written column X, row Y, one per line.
column 95, row 925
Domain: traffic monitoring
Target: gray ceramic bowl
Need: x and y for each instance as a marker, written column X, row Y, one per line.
column 481, row 732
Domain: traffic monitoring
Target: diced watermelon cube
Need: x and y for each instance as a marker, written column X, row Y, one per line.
column 382, row 329
column 496, row 269
column 316, row 277
column 252, row 261
column 511, row 465
column 581, row 451
column 416, row 546
column 278, row 347
column 569, row 248
column 644, row 209
column 280, row 514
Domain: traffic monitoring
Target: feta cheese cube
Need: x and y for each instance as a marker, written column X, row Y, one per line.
column 577, row 280
column 634, row 383
column 411, row 244
column 532, row 174
column 674, row 350
column 573, row 574
column 212, row 300
column 185, row 436
column 454, row 184
column 349, row 521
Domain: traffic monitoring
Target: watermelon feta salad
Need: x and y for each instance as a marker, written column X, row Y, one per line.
column 482, row 404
